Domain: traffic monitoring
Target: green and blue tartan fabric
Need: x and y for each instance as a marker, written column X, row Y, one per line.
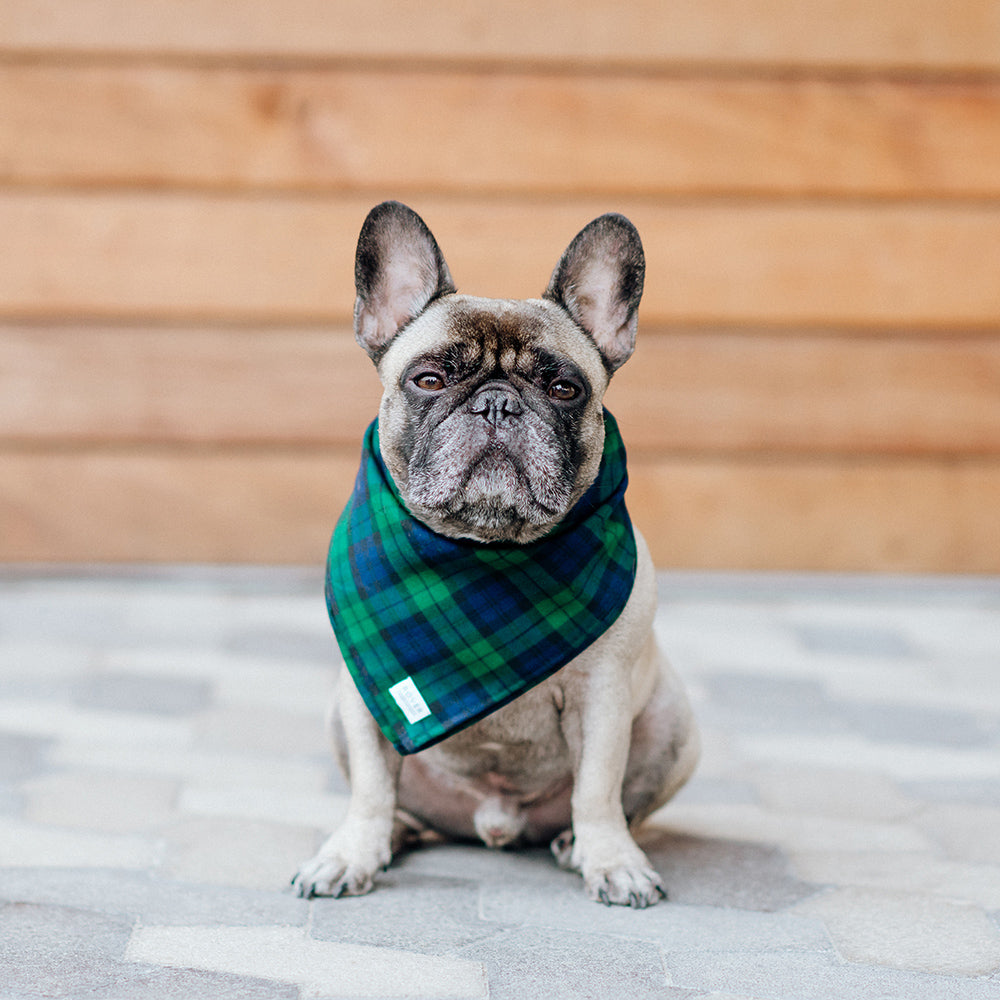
column 439, row 633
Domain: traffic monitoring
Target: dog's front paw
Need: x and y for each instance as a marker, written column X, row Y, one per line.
column 637, row 887
column 345, row 865
column 615, row 872
column 332, row 876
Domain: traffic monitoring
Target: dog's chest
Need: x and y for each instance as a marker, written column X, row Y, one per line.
column 517, row 749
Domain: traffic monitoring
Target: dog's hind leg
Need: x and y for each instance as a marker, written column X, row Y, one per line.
column 663, row 752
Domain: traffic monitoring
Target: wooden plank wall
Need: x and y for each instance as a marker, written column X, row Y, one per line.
column 818, row 187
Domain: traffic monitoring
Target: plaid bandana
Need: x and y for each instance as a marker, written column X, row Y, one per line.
column 439, row 633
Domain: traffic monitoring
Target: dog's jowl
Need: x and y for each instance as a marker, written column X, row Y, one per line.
column 492, row 600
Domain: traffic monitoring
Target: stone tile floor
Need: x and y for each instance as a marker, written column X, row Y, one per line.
column 163, row 770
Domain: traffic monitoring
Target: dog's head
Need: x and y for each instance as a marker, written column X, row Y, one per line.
column 491, row 419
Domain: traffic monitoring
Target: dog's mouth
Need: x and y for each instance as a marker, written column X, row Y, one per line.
column 498, row 495
column 491, row 490
column 499, row 474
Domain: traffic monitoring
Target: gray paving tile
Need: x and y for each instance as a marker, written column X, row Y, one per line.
column 128, row 693
column 11, row 800
column 908, row 930
column 287, row 644
column 713, row 872
column 115, row 742
column 96, row 727
column 674, row 926
column 958, row 792
column 133, row 981
column 95, row 800
column 149, row 898
column 22, row 756
column 740, row 638
column 901, row 762
column 850, row 723
column 103, row 611
column 814, row 976
column 925, row 874
column 35, row 666
column 967, row 833
column 555, row 964
column 703, row 789
column 237, row 853
column 788, row 590
column 535, row 866
column 64, row 610
column 58, row 951
column 291, row 686
column 916, row 724
column 253, row 729
column 854, row 640
column 25, row 844
column 319, row 968
column 410, row 911
column 761, row 702
column 849, row 794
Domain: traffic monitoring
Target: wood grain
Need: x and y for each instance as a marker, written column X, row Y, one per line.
column 705, row 391
column 498, row 131
column 145, row 255
column 817, row 186
column 280, row 506
column 148, row 504
column 863, row 515
column 85, row 385
column 726, row 392
column 946, row 34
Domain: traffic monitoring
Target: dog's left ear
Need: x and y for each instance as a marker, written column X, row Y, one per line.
column 398, row 271
column 598, row 281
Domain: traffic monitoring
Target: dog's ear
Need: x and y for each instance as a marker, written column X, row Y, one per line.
column 598, row 281
column 398, row 270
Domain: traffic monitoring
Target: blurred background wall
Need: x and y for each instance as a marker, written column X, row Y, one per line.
column 817, row 183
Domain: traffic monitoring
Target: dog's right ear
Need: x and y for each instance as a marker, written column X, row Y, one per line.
column 598, row 281
column 398, row 271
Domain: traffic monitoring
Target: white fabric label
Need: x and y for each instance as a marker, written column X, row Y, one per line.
column 410, row 700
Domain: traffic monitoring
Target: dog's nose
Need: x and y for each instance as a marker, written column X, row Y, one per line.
column 496, row 402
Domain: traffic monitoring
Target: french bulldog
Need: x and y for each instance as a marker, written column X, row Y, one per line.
column 491, row 426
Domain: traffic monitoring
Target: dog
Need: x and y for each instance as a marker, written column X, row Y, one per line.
column 491, row 441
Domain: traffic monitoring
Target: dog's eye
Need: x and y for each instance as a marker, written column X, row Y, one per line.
column 429, row 381
column 561, row 389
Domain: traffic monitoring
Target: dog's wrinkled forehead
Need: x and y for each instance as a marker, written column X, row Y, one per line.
column 485, row 343
column 483, row 336
column 497, row 337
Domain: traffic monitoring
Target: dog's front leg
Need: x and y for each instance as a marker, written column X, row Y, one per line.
column 597, row 724
column 347, row 862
